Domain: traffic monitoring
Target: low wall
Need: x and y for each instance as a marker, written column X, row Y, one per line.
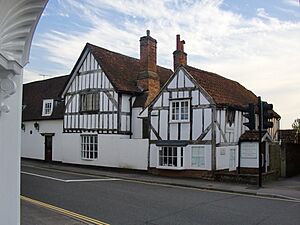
column 275, row 159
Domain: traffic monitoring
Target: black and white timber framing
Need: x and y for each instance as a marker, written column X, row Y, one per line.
column 113, row 115
column 207, row 125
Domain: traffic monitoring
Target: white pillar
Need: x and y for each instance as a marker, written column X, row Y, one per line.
column 10, row 143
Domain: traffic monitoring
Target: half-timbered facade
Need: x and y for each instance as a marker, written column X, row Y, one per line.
column 196, row 121
column 125, row 112
column 92, row 103
column 103, row 99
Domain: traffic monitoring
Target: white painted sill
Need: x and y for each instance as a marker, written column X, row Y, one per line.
column 85, row 159
column 185, row 121
column 170, row 168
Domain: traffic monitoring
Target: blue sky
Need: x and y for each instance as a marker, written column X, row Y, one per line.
column 253, row 42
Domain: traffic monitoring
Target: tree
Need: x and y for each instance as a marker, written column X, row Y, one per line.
column 296, row 125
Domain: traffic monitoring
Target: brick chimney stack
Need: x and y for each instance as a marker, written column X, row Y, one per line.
column 148, row 80
column 180, row 57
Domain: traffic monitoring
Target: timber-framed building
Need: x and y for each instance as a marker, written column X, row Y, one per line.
column 125, row 112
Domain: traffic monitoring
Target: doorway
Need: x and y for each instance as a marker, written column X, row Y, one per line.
column 48, row 148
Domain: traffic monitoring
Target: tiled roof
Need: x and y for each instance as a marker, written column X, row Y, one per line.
column 289, row 136
column 250, row 135
column 123, row 70
column 223, row 91
column 34, row 93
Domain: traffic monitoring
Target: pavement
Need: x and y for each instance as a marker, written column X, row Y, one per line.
column 32, row 214
column 284, row 188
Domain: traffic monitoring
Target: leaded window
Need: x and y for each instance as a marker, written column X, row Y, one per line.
column 89, row 102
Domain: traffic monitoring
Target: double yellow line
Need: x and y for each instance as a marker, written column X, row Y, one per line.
column 63, row 211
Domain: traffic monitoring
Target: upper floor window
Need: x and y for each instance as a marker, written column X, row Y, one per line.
column 47, row 107
column 89, row 102
column 230, row 117
column 180, row 110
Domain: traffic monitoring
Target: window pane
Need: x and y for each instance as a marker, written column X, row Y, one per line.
column 175, row 161
column 198, row 156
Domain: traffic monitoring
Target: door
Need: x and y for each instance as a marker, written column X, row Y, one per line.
column 232, row 161
column 48, row 148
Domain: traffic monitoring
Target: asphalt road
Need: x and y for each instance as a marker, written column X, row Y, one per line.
column 121, row 202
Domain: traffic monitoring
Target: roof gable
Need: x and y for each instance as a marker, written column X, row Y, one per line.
column 171, row 79
column 121, row 70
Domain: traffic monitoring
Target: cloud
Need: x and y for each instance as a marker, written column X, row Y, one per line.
column 260, row 52
column 292, row 2
column 29, row 76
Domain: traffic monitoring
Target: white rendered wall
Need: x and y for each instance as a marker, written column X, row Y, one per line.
column 33, row 145
column 10, row 158
column 113, row 151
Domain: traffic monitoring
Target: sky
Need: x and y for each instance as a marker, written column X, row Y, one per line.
column 256, row 43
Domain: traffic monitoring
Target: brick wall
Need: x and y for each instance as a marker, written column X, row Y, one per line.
column 204, row 174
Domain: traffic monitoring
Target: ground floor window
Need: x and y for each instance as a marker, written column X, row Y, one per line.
column 198, row 156
column 89, row 146
column 171, row 156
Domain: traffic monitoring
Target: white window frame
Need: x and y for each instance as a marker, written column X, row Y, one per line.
column 180, row 102
column 89, row 147
column 197, row 153
column 47, row 111
column 170, row 159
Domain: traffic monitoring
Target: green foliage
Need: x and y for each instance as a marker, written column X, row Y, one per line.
column 296, row 125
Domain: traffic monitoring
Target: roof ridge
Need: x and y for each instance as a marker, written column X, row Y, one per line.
column 96, row 46
column 212, row 73
column 123, row 55
column 48, row 79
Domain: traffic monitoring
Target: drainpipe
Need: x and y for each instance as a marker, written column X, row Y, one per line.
column 130, row 118
column 149, row 137
column 239, row 159
column 213, row 139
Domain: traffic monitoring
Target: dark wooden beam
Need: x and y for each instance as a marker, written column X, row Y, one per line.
column 204, row 133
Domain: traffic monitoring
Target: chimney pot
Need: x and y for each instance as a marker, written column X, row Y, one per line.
column 148, row 32
column 180, row 57
column 178, row 42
